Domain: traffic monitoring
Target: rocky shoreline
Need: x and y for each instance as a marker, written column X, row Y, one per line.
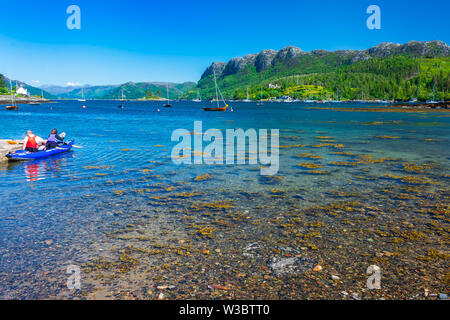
column 7, row 146
column 6, row 99
column 438, row 105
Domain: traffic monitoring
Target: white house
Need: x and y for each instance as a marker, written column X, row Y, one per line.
column 22, row 90
column 273, row 86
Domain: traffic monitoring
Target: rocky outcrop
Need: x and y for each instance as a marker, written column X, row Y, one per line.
column 237, row 64
column 287, row 54
column 415, row 48
column 290, row 55
column 428, row 48
column 264, row 59
column 217, row 67
column 382, row 50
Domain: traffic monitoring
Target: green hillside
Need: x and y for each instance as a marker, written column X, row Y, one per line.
column 131, row 90
column 387, row 71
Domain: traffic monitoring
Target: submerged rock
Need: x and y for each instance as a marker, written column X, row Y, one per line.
column 292, row 265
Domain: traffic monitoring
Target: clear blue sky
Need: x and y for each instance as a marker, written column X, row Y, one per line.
column 150, row 40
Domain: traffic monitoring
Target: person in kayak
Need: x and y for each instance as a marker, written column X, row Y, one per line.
column 54, row 139
column 32, row 142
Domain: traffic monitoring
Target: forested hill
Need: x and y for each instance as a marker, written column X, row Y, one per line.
column 387, row 71
column 5, row 89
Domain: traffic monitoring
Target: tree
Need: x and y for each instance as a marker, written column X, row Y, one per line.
column 3, row 83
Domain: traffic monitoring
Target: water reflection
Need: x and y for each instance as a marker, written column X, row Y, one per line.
column 40, row 169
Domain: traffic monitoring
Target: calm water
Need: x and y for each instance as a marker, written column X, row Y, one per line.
column 121, row 175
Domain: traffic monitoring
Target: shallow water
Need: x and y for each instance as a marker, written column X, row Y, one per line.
column 121, row 199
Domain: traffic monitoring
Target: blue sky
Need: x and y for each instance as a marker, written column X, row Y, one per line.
column 150, row 40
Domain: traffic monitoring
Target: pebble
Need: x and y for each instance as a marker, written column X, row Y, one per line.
column 161, row 296
column 318, row 268
column 355, row 296
column 345, row 293
column 333, row 277
column 443, row 296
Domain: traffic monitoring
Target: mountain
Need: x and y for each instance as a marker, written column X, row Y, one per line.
column 387, row 71
column 4, row 88
column 90, row 92
column 131, row 90
column 58, row 90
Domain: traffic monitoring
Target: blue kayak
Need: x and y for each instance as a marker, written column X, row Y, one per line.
column 25, row 155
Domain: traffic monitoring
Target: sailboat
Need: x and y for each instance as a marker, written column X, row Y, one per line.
column 434, row 95
column 218, row 108
column 247, row 100
column 338, row 99
column 82, row 96
column 288, row 99
column 198, row 97
column 167, row 105
column 260, row 103
column 121, row 99
column 12, row 106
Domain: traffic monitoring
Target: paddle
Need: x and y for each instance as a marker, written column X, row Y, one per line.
column 65, row 148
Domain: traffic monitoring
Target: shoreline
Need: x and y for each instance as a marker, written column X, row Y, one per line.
column 6, row 147
column 21, row 100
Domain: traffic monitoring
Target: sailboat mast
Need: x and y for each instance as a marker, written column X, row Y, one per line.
column 167, row 89
column 217, row 93
column 10, row 84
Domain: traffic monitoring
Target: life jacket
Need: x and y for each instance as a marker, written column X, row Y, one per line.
column 52, row 138
column 31, row 142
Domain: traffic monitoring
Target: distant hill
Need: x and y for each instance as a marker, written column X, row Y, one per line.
column 58, row 90
column 131, row 90
column 138, row 90
column 387, row 71
column 90, row 92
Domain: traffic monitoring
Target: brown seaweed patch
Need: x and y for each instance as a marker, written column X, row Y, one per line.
column 308, row 156
column 203, row 177
column 310, row 165
column 270, row 179
column 387, row 137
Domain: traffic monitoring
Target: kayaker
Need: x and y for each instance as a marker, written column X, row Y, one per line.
column 53, row 139
column 32, row 142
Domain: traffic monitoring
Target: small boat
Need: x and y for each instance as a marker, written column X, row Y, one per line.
column 218, row 108
column 215, row 109
column 167, row 105
column 25, row 155
column 121, row 107
column 82, row 96
column 34, row 104
column 198, row 97
column 12, row 107
column 248, row 98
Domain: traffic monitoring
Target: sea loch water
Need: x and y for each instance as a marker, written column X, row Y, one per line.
column 122, row 190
